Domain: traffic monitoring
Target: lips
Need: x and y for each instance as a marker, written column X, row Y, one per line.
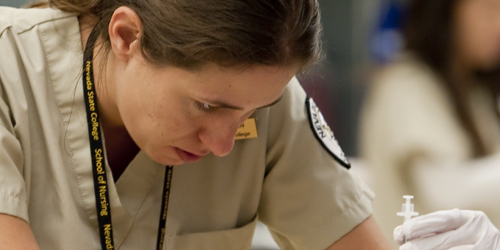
column 188, row 156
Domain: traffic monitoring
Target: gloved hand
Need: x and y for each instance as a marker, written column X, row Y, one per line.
column 450, row 229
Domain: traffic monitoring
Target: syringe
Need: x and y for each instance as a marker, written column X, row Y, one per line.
column 407, row 209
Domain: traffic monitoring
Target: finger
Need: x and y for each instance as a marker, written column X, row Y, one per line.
column 398, row 235
column 407, row 246
column 435, row 223
column 451, row 239
column 410, row 246
column 465, row 247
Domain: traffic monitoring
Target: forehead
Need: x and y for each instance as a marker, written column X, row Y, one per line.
column 252, row 84
column 251, row 73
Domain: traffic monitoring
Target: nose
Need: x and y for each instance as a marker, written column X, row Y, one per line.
column 219, row 138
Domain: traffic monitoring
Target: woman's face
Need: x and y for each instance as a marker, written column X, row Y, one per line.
column 178, row 116
column 478, row 32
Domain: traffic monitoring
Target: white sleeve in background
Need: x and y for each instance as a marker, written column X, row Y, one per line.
column 472, row 184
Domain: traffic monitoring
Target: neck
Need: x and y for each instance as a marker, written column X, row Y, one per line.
column 462, row 72
column 120, row 148
column 107, row 109
column 86, row 24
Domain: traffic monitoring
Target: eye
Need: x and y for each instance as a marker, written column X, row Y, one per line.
column 205, row 107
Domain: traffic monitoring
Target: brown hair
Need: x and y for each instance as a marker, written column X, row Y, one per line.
column 191, row 33
column 428, row 32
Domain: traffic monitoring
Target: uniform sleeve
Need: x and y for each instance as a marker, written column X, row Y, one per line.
column 13, row 197
column 309, row 199
column 12, row 187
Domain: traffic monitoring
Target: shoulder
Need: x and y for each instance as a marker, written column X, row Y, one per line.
column 22, row 20
column 296, row 119
column 406, row 79
column 40, row 49
column 403, row 94
column 407, row 71
column 408, row 109
column 294, row 94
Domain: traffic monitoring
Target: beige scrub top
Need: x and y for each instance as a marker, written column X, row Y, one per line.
column 284, row 178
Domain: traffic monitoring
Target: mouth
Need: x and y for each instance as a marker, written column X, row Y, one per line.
column 186, row 156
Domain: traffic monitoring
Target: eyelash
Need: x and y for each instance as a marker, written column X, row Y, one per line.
column 205, row 107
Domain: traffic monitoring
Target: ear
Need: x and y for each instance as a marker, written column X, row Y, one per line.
column 124, row 33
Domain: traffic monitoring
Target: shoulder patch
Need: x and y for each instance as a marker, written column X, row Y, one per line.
column 324, row 134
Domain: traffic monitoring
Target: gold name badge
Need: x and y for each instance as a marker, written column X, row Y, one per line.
column 247, row 130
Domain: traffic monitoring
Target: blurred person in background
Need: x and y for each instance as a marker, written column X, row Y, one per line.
column 430, row 124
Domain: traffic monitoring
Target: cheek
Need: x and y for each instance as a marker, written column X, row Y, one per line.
column 478, row 34
column 138, row 111
column 474, row 45
column 163, row 122
column 486, row 47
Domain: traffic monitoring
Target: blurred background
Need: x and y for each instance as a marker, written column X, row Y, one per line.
column 358, row 35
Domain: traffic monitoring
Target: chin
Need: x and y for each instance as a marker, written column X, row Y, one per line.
column 167, row 161
column 164, row 159
column 490, row 62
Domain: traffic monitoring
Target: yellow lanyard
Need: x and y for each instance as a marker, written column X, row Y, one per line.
column 98, row 159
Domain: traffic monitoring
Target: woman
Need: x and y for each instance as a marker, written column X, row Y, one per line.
column 99, row 96
column 430, row 126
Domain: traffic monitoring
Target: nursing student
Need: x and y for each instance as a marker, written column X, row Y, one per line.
column 118, row 123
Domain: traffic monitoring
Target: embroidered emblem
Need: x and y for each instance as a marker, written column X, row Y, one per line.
column 324, row 134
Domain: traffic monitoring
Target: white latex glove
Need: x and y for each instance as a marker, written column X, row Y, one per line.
column 450, row 229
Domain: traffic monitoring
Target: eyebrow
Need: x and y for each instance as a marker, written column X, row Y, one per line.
column 229, row 106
